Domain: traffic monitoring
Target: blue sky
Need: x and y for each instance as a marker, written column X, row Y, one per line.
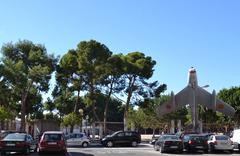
column 177, row 34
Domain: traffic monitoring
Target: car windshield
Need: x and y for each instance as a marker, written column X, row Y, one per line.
column 171, row 137
column 197, row 138
column 52, row 137
column 222, row 137
column 114, row 133
column 15, row 136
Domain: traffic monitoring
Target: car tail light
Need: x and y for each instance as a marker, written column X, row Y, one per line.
column 61, row 143
column 190, row 142
column 215, row 142
column 2, row 144
column 205, row 142
column 43, row 143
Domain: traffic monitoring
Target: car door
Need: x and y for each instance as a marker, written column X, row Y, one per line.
column 78, row 139
column 185, row 141
column 119, row 138
column 129, row 138
column 159, row 141
column 70, row 139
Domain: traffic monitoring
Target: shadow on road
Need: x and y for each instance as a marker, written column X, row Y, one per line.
column 80, row 154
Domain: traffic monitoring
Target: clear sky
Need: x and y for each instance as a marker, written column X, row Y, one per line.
column 177, row 34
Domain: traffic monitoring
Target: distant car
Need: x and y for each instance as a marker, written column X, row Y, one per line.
column 195, row 142
column 220, row 142
column 169, row 143
column 17, row 142
column 131, row 138
column 52, row 141
column 77, row 139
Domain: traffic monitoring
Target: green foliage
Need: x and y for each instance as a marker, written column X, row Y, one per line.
column 71, row 119
column 5, row 113
column 26, row 66
column 232, row 97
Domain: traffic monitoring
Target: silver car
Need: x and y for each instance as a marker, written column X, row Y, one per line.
column 220, row 142
column 78, row 139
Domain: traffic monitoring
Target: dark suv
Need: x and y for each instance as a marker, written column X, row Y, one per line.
column 195, row 142
column 122, row 138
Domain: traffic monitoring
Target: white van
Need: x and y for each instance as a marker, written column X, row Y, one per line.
column 235, row 137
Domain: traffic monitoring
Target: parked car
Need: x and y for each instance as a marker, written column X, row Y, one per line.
column 17, row 142
column 77, row 139
column 122, row 138
column 220, row 142
column 169, row 143
column 195, row 142
column 52, row 141
column 235, row 137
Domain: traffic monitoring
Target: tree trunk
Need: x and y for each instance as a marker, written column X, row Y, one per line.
column 95, row 116
column 71, row 128
column 106, row 108
column 77, row 101
column 130, row 87
column 23, row 107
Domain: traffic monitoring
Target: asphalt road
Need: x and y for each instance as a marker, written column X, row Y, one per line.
column 142, row 150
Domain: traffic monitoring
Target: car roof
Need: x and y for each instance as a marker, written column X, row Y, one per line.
column 76, row 133
column 196, row 135
column 53, row 132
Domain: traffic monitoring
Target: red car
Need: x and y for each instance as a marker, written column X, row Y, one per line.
column 52, row 141
column 17, row 142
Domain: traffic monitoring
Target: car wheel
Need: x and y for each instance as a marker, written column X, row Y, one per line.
column 84, row 144
column 134, row 143
column 211, row 149
column 156, row 147
column 180, row 151
column 109, row 144
column 231, row 151
column 161, row 150
column 206, row 151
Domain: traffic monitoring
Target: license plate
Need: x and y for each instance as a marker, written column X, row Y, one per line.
column 10, row 144
column 199, row 146
column 173, row 147
column 52, row 143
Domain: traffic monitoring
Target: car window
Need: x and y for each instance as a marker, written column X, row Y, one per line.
column 211, row 138
column 170, row 137
column 186, row 137
column 128, row 134
column 195, row 138
column 16, row 136
column 52, row 137
column 79, row 135
column 120, row 134
column 29, row 138
column 222, row 137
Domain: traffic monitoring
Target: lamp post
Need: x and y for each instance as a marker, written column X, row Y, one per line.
column 87, row 117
